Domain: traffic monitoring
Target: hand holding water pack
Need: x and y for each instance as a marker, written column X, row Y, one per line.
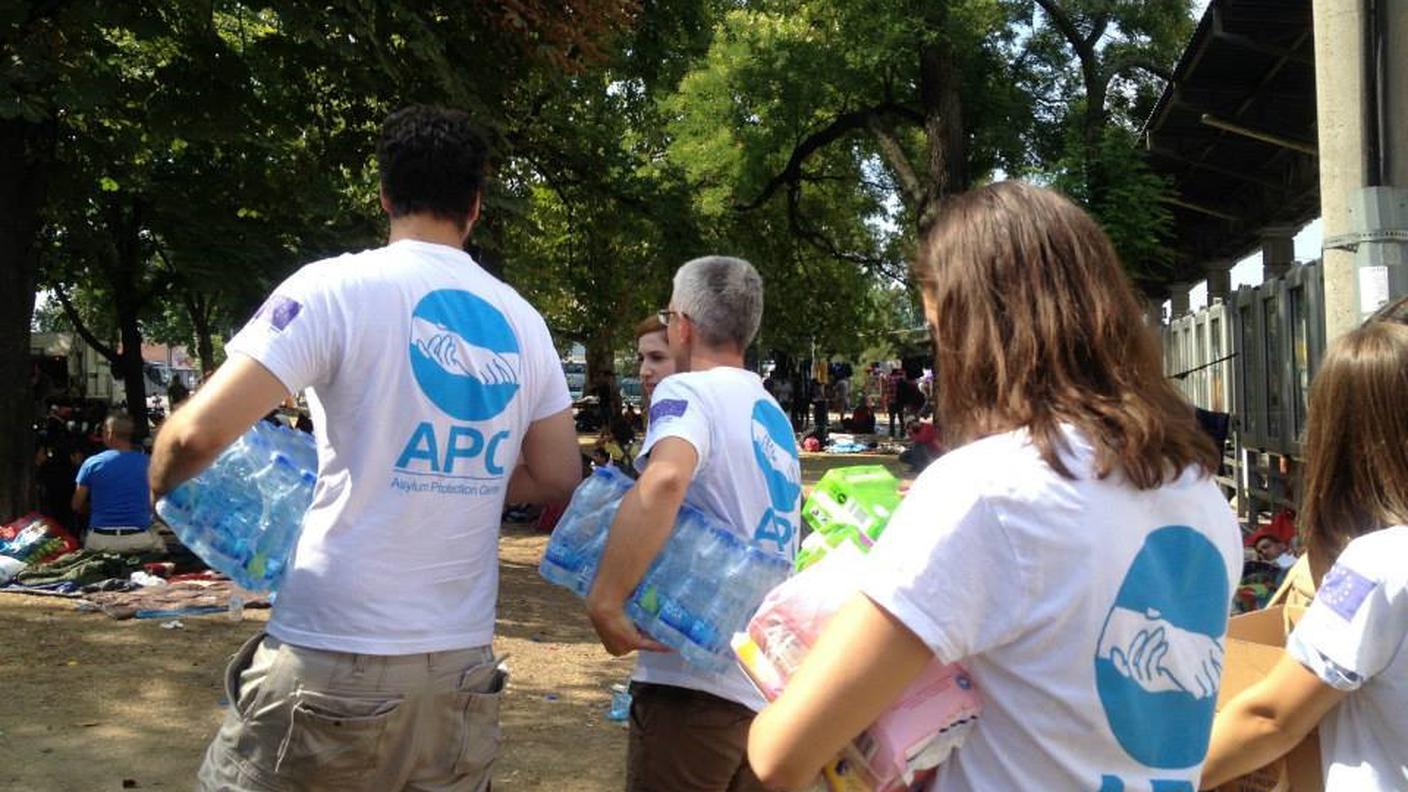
column 242, row 515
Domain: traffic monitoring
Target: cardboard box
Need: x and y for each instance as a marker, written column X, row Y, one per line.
column 1255, row 643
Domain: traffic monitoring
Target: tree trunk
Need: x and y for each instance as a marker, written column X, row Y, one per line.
column 129, row 360
column 26, row 151
column 199, row 308
column 601, row 373
column 205, row 349
column 482, row 247
column 940, row 97
column 1096, row 89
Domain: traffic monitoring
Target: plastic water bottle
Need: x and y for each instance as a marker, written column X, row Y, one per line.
column 235, row 612
column 575, row 548
column 286, row 493
column 593, row 549
column 242, row 515
column 620, row 703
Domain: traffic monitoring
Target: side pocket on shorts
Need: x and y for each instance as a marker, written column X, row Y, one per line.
column 238, row 696
column 480, row 696
column 332, row 740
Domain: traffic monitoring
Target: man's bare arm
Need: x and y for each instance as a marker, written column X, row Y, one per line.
column 550, row 464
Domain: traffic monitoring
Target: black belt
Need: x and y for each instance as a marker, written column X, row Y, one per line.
column 118, row 531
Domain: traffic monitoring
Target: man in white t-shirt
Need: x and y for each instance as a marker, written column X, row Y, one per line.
column 719, row 442
column 435, row 393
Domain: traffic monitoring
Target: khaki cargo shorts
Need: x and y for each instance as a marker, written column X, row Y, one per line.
column 308, row 719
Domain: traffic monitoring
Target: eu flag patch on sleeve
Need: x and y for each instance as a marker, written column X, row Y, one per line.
column 668, row 408
column 1344, row 591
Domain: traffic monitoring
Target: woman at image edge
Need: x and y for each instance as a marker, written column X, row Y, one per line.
column 1349, row 648
column 1072, row 550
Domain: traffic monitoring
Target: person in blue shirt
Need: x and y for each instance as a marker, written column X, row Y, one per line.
column 112, row 487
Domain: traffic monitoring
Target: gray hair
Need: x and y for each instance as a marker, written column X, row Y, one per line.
column 723, row 297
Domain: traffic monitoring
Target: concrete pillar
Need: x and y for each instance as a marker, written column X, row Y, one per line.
column 1178, row 295
column 1397, row 92
column 1219, row 280
column 1340, row 120
column 1278, row 252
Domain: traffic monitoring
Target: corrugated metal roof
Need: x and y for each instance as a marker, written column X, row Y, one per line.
column 1233, row 128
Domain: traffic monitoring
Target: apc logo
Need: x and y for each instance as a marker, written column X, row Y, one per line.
column 464, row 355
column 775, row 451
column 1159, row 660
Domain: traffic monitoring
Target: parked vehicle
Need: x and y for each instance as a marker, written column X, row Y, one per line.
column 576, row 378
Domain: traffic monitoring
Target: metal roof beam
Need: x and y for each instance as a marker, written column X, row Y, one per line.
column 1272, row 72
column 1249, row 43
column 1200, row 209
column 1260, row 135
column 1211, row 168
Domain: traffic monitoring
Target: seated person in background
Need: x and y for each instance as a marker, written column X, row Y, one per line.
column 115, row 484
column 926, row 446
column 1272, row 549
column 614, row 440
column 862, row 421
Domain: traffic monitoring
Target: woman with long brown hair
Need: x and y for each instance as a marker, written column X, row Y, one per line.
column 1346, row 664
column 1072, row 550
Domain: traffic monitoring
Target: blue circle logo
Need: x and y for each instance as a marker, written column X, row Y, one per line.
column 464, row 355
column 1159, row 660
column 775, row 452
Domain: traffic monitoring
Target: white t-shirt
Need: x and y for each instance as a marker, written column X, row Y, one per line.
column 1355, row 638
column 424, row 372
column 1091, row 615
column 748, row 476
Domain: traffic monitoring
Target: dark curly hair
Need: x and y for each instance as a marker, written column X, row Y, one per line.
column 431, row 161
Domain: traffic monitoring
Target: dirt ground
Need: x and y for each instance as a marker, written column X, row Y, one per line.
column 89, row 704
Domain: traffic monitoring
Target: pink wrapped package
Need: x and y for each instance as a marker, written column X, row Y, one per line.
column 908, row 741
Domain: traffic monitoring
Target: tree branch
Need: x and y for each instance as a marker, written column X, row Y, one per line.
column 1097, row 29
column 823, row 243
column 1064, row 23
column 82, row 329
column 838, row 128
column 1131, row 61
column 911, row 188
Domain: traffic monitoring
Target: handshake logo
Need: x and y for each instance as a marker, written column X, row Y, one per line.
column 1160, row 657
column 464, row 355
column 1158, row 662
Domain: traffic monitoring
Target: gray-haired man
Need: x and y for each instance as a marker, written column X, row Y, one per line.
column 718, row 441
